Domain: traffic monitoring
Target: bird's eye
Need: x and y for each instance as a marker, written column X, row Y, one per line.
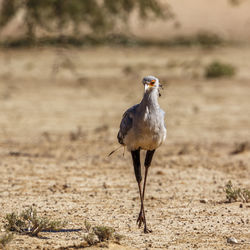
column 152, row 82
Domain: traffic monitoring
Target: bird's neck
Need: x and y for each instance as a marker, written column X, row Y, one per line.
column 150, row 99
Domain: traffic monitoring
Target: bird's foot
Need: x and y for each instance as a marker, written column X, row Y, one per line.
column 141, row 219
column 146, row 230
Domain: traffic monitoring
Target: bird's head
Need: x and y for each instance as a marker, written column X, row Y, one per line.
column 150, row 83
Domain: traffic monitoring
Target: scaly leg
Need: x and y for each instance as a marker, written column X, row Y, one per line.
column 148, row 160
column 137, row 168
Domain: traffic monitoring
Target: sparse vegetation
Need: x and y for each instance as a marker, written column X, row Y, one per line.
column 100, row 234
column 236, row 194
column 204, row 39
column 90, row 238
column 28, row 222
column 5, row 239
column 208, row 39
column 103, row 233
column 217, row 69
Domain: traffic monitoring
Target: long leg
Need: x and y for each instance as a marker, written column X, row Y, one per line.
column 137, row 168
column 147, row 163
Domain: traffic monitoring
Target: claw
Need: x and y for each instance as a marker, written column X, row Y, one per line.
column 146, row 230
column 140, row 219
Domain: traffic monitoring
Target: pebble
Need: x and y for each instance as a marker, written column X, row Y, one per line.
column 203, row 201
column 232, row 240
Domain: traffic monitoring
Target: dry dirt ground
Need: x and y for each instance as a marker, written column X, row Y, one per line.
column 60, row 113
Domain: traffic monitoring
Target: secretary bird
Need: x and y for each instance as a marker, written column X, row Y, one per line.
column 143, row 128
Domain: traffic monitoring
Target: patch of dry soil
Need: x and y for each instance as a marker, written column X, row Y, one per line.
column 60, row 112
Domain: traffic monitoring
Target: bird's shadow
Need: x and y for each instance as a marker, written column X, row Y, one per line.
column 69, row 230
column 66, row 230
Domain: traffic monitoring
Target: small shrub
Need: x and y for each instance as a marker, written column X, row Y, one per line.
column 28, row 222
column 217, row 69
column 5, row 239
column 231, row 193
column 90, row 239
column 204, row 39
column 14, row 223
column 207, row 39
column 103, row 233
column 234, row 194
column 99, row 235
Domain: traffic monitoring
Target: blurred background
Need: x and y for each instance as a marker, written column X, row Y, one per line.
column 87, row 45
column 68, row 71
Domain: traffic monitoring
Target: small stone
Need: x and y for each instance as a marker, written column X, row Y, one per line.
column 232, row 240
column 241, row 205
column 203, row 201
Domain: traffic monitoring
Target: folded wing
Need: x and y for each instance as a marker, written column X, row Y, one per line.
column 126, row 124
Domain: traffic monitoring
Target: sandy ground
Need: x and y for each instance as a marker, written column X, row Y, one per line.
column 60, row 113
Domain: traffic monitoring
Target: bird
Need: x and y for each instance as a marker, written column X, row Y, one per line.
column 143, row 128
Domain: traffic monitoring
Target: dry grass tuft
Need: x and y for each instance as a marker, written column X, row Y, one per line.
column 104, row 233
column 217, row 69
column 236, row 194
column 90, row 238
column 28, row 222
column 99, row 235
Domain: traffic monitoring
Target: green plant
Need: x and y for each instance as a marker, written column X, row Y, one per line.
column 104, row 233
column 208, row 39
column 14, row 223
column 100, row 234
column 234, row 194
column 203, row 39
column 218, row 69
column 28, row 222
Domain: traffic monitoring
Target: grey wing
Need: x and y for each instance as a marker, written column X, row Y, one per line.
column 126, row 124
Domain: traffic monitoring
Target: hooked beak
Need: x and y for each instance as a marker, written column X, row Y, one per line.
column 148, row 85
